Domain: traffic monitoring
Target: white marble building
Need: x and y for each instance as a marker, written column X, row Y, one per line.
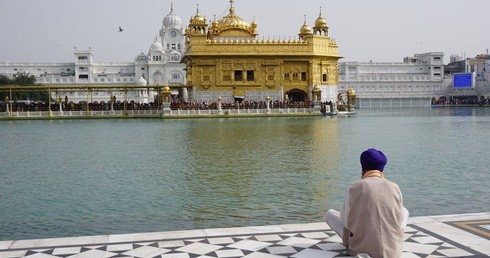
column 159, row 66
column 411, row 83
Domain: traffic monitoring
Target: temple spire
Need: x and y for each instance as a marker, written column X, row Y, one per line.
column 232, row 7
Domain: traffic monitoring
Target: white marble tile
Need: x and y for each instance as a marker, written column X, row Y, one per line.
column 92, row 254
column 251, row 245
column 221, row 240
column 121, row 247
column 312, row 253
column 455, row 252
column 68, row 241
column 67, row 250
column 146, row 251
column 281, row 250
column 243, row 230
column 335, row 238
column 331, row 246
column 199, row 248
column 229, row 253
column 13, row 254
column 5, row 244
column 156, row 236
column 267, row 238
column 316, row 235
column 427, row 240
column 483, row 247
column 41, row 255
column 299, row 242
column 421, row 220
column 461, row 217
column 170, row 244
column 262, row 255
column 454, row 234
column 419, row 248
column 179, row 255
column 305, row 227
column 409, row 255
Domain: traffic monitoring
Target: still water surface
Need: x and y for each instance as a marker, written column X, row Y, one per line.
column 90, row 177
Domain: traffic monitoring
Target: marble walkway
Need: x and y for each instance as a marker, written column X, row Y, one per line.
column 462, row 235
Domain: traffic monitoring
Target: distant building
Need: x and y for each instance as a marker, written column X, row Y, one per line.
column 418, row 81
column 161, row 65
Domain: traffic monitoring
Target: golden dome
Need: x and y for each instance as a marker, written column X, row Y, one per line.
column 316, row 88
column 166, row 89
column 235, row 23
column 305, row 29
column 321, row 22
column 351, row 92
column 198, row 19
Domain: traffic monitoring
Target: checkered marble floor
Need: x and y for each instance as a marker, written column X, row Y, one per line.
column 466, row 235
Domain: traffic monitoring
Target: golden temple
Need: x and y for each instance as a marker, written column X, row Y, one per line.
column 225, row 59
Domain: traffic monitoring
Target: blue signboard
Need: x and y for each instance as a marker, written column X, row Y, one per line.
column 463, row 80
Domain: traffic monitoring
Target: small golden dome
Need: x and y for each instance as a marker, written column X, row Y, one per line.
column 321, row 22
column 198, row 19
column 351, row 92
column 316, row 88
column 166, row 89
column 305, row 29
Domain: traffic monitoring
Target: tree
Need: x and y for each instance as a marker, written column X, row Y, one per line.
column 4, row 80
column 23, row 79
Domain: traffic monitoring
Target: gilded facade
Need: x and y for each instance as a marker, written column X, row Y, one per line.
column 224, row 58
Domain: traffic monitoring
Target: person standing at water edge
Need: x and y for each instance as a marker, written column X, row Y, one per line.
column 372, row 218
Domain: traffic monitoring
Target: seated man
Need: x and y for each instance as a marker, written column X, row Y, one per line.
column 372, row 218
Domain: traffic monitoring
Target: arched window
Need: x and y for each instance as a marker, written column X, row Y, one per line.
column 158, row 78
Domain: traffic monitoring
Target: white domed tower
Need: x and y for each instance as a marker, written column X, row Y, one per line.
column 161, row 65
column 171, row 33
column 172, row 21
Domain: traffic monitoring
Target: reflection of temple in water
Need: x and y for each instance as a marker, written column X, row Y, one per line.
column 257, row 163
column 226, row 59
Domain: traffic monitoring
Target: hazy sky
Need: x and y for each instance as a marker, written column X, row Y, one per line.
column 378, row 30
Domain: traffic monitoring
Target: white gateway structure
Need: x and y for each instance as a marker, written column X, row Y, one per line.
column 159, row 66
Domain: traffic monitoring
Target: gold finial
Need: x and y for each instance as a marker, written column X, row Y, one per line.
column 232, row 8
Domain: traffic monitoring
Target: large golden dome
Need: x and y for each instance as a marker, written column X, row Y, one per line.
column 233, row 21
column 234, row 25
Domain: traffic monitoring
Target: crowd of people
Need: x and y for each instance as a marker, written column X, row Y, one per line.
column 461, row 101
column 35, row 106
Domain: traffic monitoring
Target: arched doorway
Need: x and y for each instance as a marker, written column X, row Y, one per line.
column 297, row 95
